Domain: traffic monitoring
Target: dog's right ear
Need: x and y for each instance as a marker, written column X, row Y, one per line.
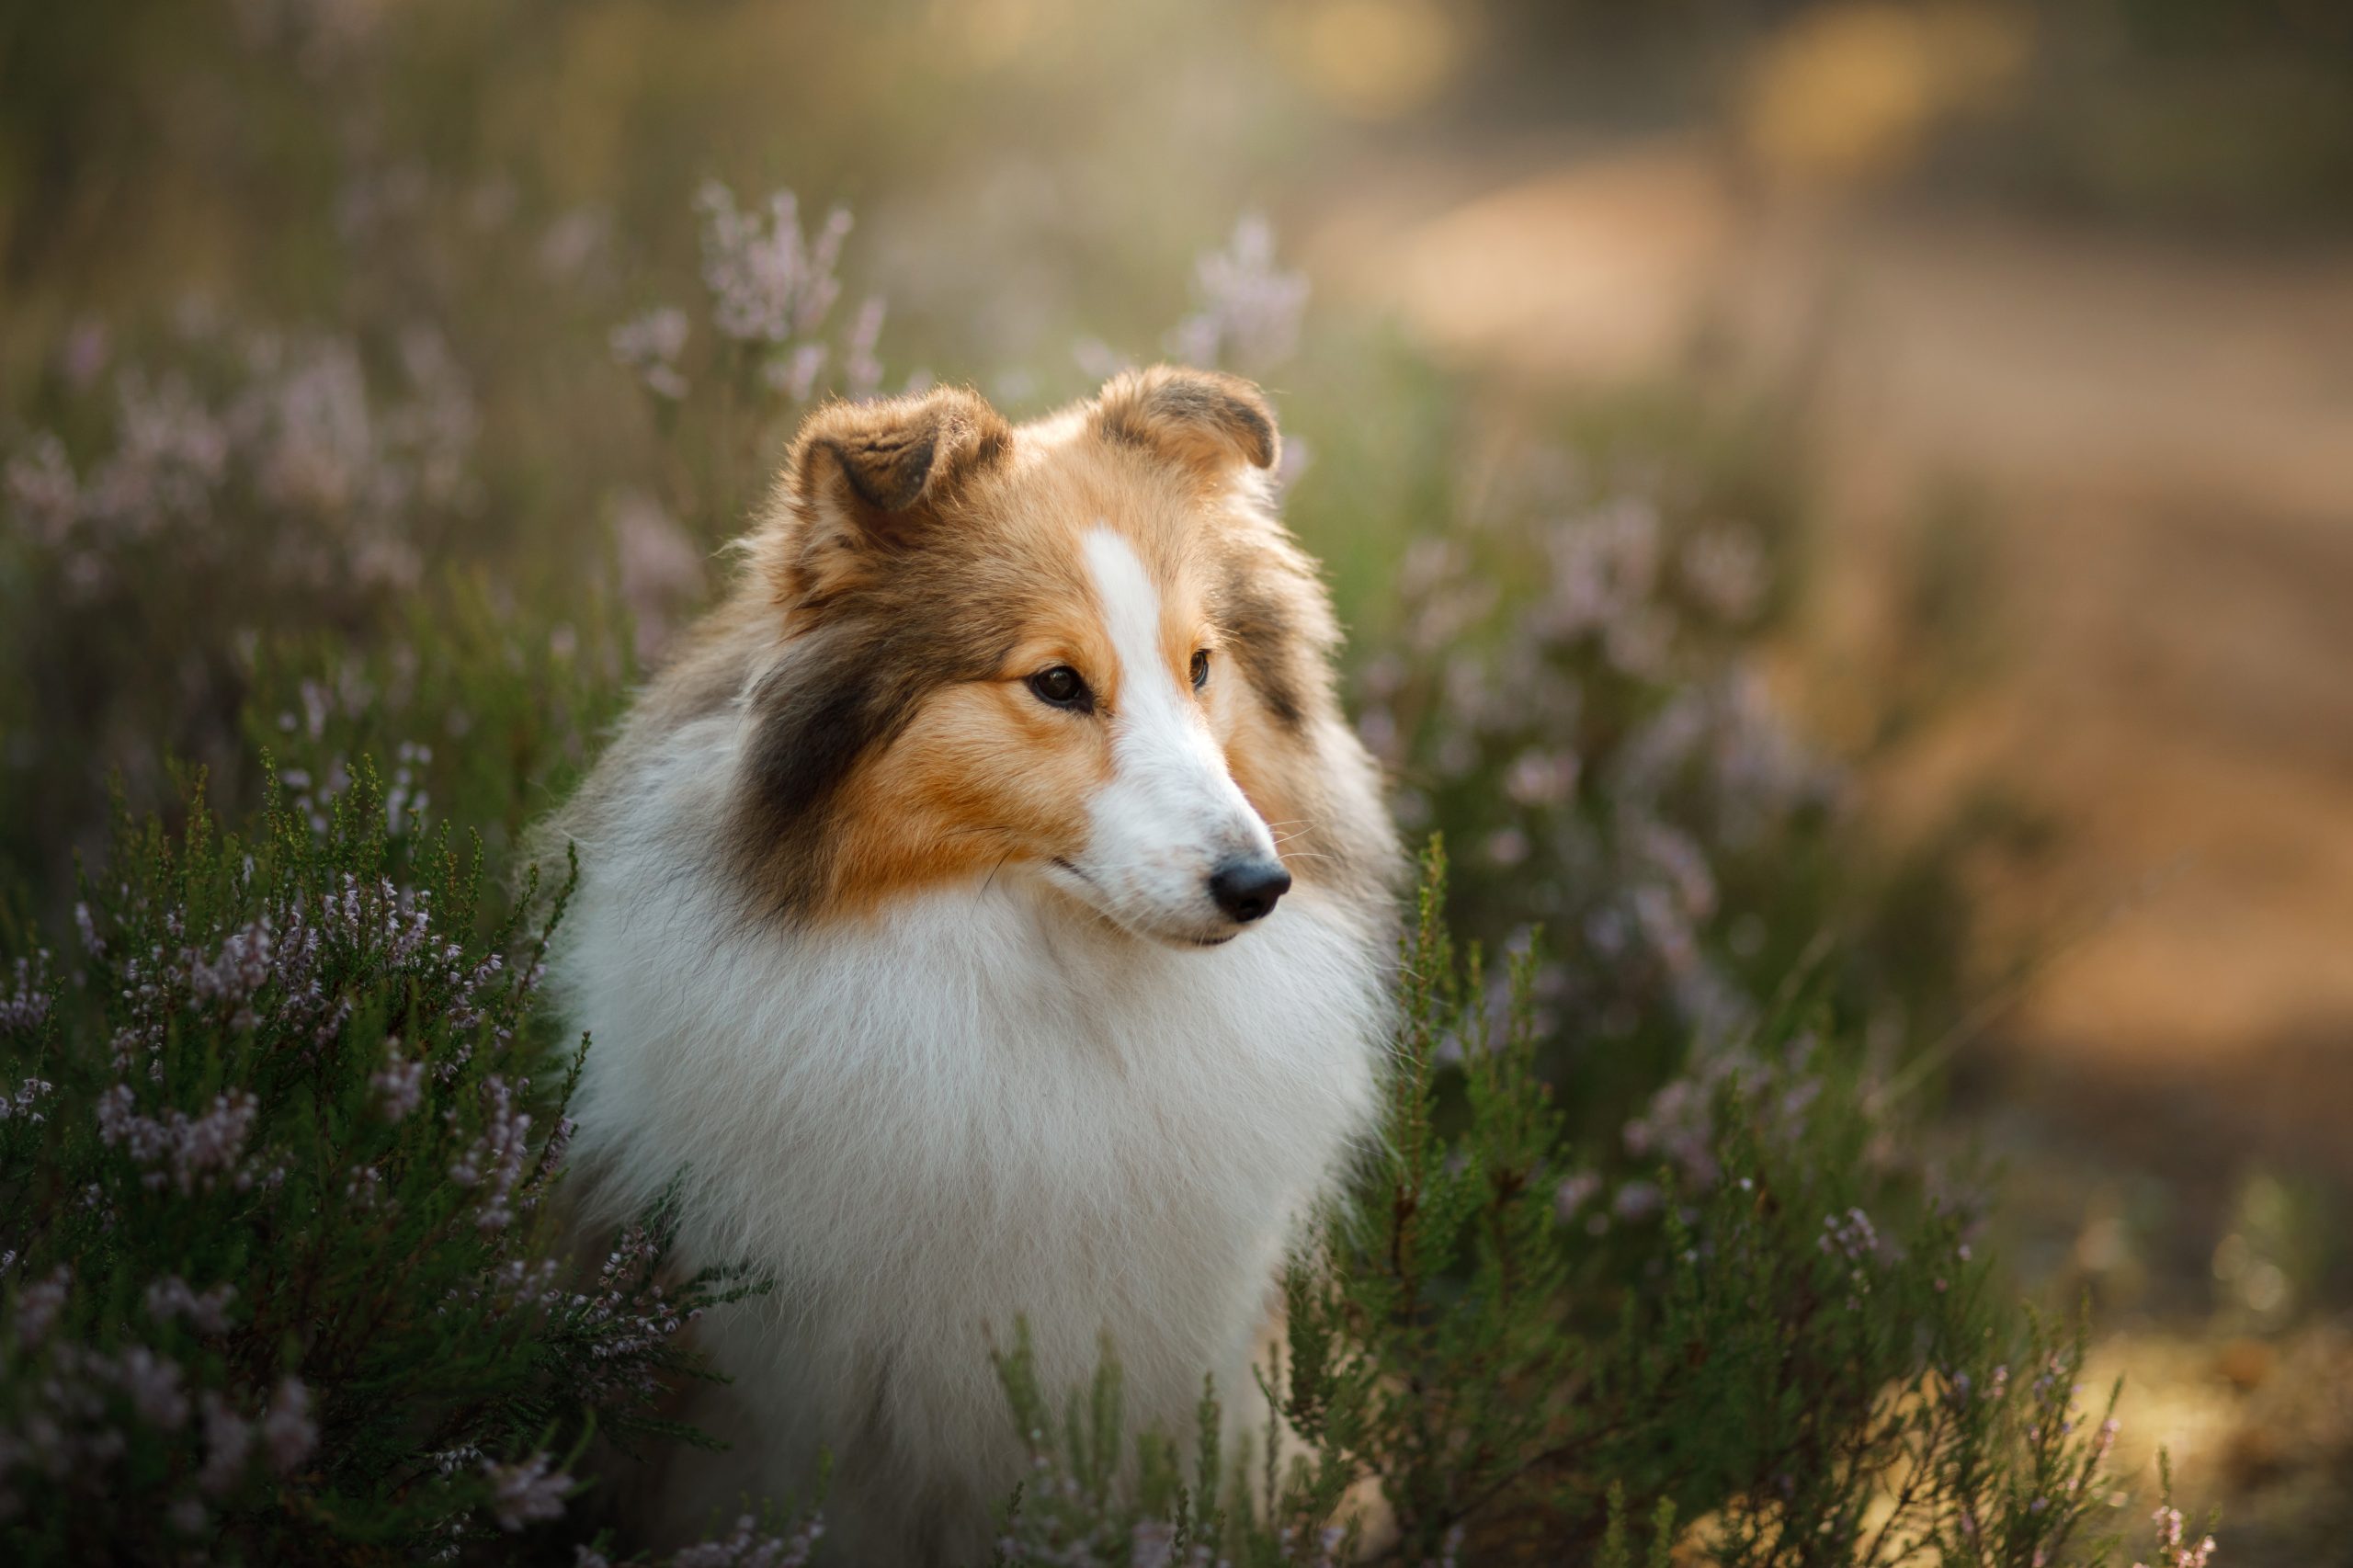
column 867, row 479
column 1210, row 422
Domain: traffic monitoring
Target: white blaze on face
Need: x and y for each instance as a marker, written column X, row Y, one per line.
column 1172, row 813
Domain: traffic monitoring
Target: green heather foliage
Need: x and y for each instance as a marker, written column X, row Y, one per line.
column 1800, row 1358
column 281, row 1273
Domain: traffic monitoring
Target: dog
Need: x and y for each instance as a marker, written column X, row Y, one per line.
column 989, row 912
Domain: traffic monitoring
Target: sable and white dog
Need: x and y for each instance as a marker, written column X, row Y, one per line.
column 988, row 911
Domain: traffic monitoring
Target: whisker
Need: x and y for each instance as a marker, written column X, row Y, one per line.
column 990, row 880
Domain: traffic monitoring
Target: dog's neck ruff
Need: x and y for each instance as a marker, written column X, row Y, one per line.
column 984, row 1106
column 998, row 1035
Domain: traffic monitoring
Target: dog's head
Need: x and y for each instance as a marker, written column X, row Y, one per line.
column 1081, row 650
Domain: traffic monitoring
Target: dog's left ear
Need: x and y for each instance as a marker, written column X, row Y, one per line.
column 1205, row 419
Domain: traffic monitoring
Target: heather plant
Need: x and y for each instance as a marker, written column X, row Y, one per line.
column 1800, row 1362
column 488, row 694
column 291, row 526
column 1247, row 307
column 482, row 705
column 279, row 1275
column 1574, row 688
column 168, row 511
column 1246, row 314
column 726, row 381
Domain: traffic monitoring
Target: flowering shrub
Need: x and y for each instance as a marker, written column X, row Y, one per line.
column 1572, row 697
column 1575, row 690
column 297, row 481
column 2174, row 1547
column 257, row 520
column 492, row 706
column 482, row 712
column 277, row 1266
column 1803, row 1360
column 725, row 395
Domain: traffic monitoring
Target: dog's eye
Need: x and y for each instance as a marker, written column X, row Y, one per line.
column 1062, row 688
column 1200, row 668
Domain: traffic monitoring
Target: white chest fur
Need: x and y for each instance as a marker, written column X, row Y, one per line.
column 986, row 1104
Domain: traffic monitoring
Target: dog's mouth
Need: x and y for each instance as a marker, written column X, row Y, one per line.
column 1173, row 939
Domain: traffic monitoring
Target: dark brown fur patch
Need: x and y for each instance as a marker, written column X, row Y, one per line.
column 870, row 553
column 847, row 692
column 1257, row 626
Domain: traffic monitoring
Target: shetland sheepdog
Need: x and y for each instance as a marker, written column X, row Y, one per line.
column 988, row 911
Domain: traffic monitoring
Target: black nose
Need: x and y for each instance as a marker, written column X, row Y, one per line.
column 1246, row 889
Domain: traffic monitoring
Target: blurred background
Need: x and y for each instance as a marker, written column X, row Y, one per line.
column 1942, row 411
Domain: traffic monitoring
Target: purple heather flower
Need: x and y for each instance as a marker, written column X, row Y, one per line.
column 228, row 1444
column 288, row 1431
column 191, row 1152
column 87, row 347
column 1851, row 1235
column 2173, row 1551
column 572, row 243
column 316, row 432
column 1726, row 571
column 1505, row 847
column 795, row 374
column 207, row 1311
column 1542, row 778
column 747, row 1548
column 43, row 494
column 661, row 568
column 494, row 1160
column 171, row 456
column 152, row 1383
column 861, row 372
column 231, row 979
column 1573, row 1193
column 1638, row 1201
column 1249, row 310
column 526, row 1492
column 24, row 1105
column 1098, row 360
column 768, row 281
column 398, row 1082
column 38, row 1305
column 650, row 343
